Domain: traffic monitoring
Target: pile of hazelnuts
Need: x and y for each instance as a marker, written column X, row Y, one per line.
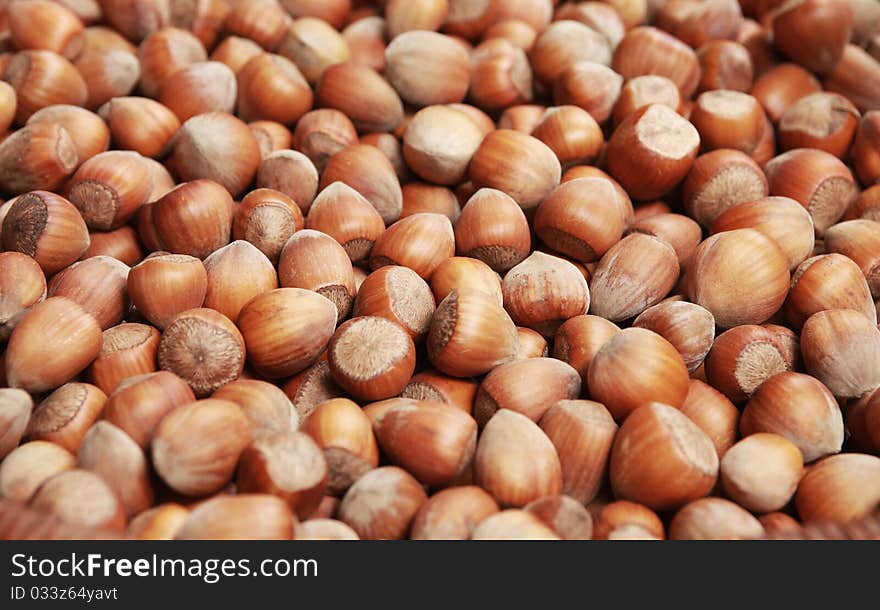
column 439, row 269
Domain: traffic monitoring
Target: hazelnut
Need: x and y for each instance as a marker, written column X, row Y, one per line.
column 164, row 52
column 368, row 171
column 290, row 173
column 840, row 488
column 313, row 45
column 204, row 348
column 713, row 413
column 138, row 403
column 430, row 153
column 592, row 86
column 493, row 228
column 345, row 435
column 515, row 461
column 453, row 514
column 578, row 340
column 427, row 68
column 271, row 87
column 648, row 50
column 239, row 517
column 725, row 64
column 194, row 219
column 324, row 529
column 286, row 464
column 98, row 285
column 799, row 408
column 513, row 524
column 543, row 291
column 128, row 350
column 362, row 95
column 43, row 78
column 15, row 413
column 398, row 294
column 688, row 327
column 236, row 274
column 38, row 156
column 841, row 348
column 161, row 522
column 620, row 517
column 199, row 88
column 827, row 281
column 433, row 386
column 761, row 472
column 24, row 470
column 22, row 285
column 501, row 75
column 165, row 285
column 322, row 133
column 714, row 519
column 54, row 341
column 564, row 515
column 420, row 242
column 824, row 121
column 82, row 498
column 267, row 407
column 315, row 261
column 371, row 357
column 564, row 43
column 720, row 180
column 742, row 358
column 382, row 504
column 267, row 218
column 740, row 276
column 661, row 459
column 196, row 447
column 860, row 241
column 813, row 32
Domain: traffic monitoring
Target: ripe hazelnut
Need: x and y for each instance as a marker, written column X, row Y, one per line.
column 623, row 518
column 433, row 442
column 165, row 285
column 45, row 25
column 740, row 276
column 204, row 348
column 107, row 74
column 138, row 403
column 680, row 232
column 782, row 219
column 859, row 240
column 742, row 358
column 271, row 87
column 493, row 229
column 128, row 350
column 543, row 291
column 453, row 514
column 98, row 285
column 322, row 133
column 66, row 414
column 122, row 244
column 430, row 153
column 54, row 341
column 194, row 219
column 696, row 23
column 813, row 32
column 427, row 68
column 263, row 21
column 24, row 470
column 688, row 327
column 276, row 346
column 368, row 171
column 111, row 454
column 523, row 117
column 501, row 75
column 776, row 524
column 841, row 348
column 235, row 52
column 381, row 504
column 265, row 467
column 564, row 43
column 267, row 218
column 366, row 41
column 652, row 137
column 648, row 50
column 517, row 164
column 817, row 180
column 239, row 517
column 371, row 357
column 725, row 64
column 311, row 387
column 824, row 121
column 196, row 447
column 564, row 515
column 513, row 524
column 236, row 274
column 720, row 180
column 855, row 77
column 728, row 119
column 345, row 435
column 531, row 344
column 164, row 52
column 313, row 45
column 840, row 488
column 362, row 95
column 234, row 152
column 43, row 78
column 161, row 522
column 199, row 88
column 645, row 90
column 635, row 273
column 515, row 461
column 761, row 472
column 22, row 285
column 90, row 134
column 661, row 459
column 866, row 148
column 582, row 432
column 38, row 156
column 580, row 338
column 399, row 295
column 315, row 261
column 46, row 227
column 827, row 281
column 529, row 386
column 799, row 408
column 714, row 519
column 82, row 498
column 420, row 242
column 433, row 386
column 292, row 174
column 782, row 86
column 324, row 529
column 713, row 413
column 592, row 86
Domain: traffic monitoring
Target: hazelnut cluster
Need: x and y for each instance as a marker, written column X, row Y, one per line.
column 461, row 269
